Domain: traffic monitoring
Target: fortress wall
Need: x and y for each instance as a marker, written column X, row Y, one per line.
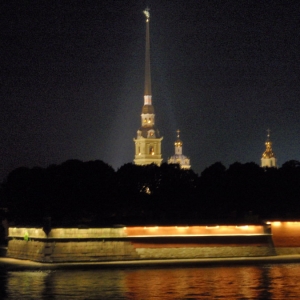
column 119, row 250
column 286, row 237
column 21, row 249
column 204, row 252
column 133, row 243
column 66, row 233
column 67, row 251
column 204, row 246
column 139, row 231
column 69, row 244
column 93, row 251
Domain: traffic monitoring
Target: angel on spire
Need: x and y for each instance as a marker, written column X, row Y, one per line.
column 147, row 13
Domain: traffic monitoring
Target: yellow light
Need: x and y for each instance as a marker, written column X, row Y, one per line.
column 242, row 227
column 212, row 227
column 291, row 223
column 276, row 223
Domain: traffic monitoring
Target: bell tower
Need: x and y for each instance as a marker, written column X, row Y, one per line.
column 148, row 140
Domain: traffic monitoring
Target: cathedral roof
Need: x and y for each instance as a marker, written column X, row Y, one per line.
column 178, row 156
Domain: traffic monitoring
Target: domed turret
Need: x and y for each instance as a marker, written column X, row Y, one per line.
column 179, row 158
column 268, row 157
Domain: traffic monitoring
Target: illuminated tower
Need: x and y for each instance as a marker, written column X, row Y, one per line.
column 268, row 158
column 148, row 140
column 179, row 158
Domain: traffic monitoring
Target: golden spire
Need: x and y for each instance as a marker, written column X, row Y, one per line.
column 147, row 57
column 269, row 152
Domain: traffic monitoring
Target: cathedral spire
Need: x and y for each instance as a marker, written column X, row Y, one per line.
column 148, row 140
column 147, row 93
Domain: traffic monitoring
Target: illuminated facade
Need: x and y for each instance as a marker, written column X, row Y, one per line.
column 178, row 157
column 271, row 238
column 268, row 158
column 148, row 140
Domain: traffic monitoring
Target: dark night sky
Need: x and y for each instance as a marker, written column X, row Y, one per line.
column 223, row 72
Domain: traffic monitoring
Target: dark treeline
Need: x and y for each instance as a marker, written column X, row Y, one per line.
column 92, row 193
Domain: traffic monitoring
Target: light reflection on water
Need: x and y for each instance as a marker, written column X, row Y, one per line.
column 232, row 282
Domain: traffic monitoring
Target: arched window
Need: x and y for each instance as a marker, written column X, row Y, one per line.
column 151, row 150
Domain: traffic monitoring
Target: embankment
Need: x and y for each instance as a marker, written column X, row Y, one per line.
column 140, row 243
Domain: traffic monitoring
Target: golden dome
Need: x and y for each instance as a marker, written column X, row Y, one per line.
column 178, row 143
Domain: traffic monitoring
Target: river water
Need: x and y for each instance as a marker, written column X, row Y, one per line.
column 270, row 281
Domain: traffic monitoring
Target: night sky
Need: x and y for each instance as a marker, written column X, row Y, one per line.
column 223, row 72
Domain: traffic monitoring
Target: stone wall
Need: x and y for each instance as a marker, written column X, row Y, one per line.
column 66, row 233
column 286, row 237
column 113, row 244
column 21, row 249
column 204, row 252
column 119, row 250
column 71, row 251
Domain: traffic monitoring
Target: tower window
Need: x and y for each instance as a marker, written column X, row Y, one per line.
column 151, row 133
column 151, row 151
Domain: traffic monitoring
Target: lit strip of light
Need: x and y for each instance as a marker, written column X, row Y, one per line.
column 196, row 235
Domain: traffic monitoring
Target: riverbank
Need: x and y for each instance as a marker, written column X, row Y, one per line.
column 18, row 265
